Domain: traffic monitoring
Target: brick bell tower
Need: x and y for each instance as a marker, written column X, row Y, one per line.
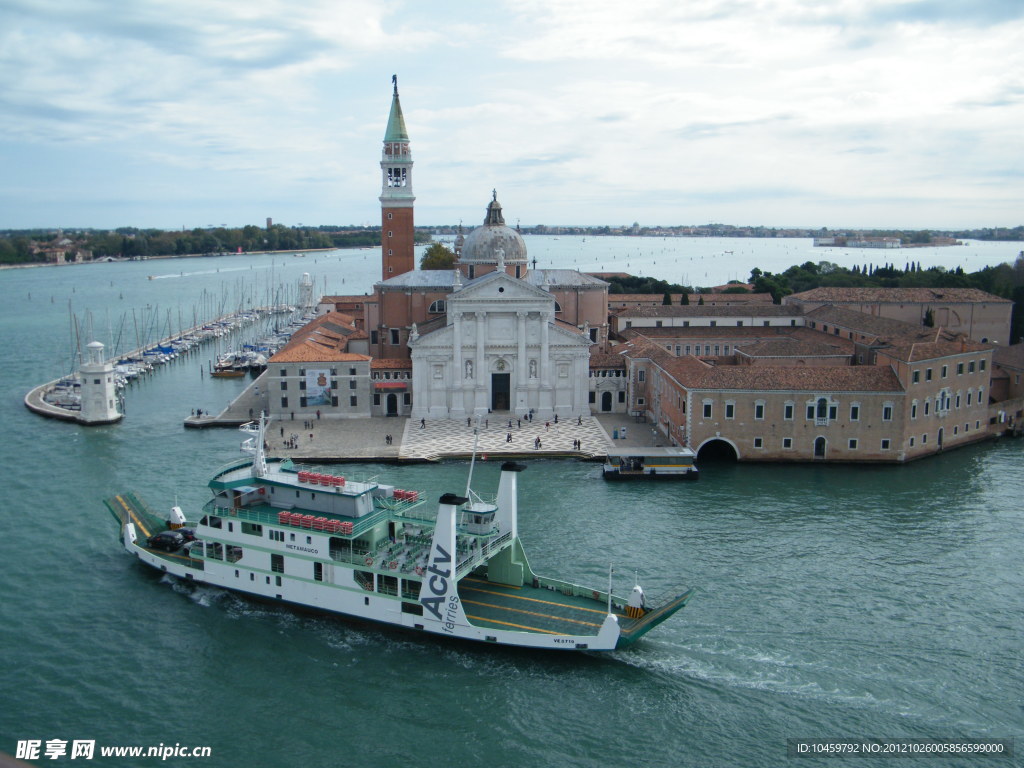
column 396, row 197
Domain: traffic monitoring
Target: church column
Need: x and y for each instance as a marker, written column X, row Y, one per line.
column 546, row 394
column 545, row 356
column 521, row 363
column 478, row 366
column 458, row 404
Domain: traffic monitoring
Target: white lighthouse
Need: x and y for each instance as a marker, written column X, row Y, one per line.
column 99, row 396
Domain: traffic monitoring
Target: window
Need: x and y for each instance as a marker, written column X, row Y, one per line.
column 687, row 349
column 885, row 443
column 911, row 442
column 927, row 406
column 759, row 442
column 913, row 410
column 394, row 336
column 351, row 383
column 351, row 372
column 959, row 369
column 353, row 401
column 437, row 307
column 277, row 563
column 593, row 398
column 318, row 571
column 284, row 371
column 970, row 367
column 787, row 412
column 284, row 386
column 853, row 443
column 640, row 375
column 759, row 410
column 833, row 412
column 640, row 401
column 276, row 535
column 730, row 410
column 284, row 402
column 657, row 323
column 981, row 365
column 916, row 377
column 924, row 439
column 707, row 409
column 810, row 411
column 928, row 374
column 969, row 397
column 373, row 337
column 855, row 412
column 376, row 398
column 887, row 412
column 945, row 371
column 787, row 442
column 714, row 323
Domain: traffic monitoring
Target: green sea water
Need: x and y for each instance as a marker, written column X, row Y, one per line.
column 878, row 602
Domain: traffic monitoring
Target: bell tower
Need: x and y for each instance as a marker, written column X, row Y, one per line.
column 396, row 197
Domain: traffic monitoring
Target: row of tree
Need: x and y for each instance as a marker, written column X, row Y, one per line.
column 130, row 242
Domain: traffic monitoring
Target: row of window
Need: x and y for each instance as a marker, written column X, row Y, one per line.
column 956, row 431
column 685, row 349
column 387, row 375
column 944, row 402
column 853, row 443
column 822, row 411
column 334, row 372
column 302, row 384
column 714, row 324
column 944, row 371
column 616, row 374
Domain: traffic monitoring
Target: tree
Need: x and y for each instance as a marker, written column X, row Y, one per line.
column 684, row 298
column 929, row 318
column 437, row 256
column 666, row 299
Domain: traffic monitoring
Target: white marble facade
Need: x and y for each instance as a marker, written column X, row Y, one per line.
column 501, row 351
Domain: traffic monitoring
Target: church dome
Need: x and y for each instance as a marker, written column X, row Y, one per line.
column 485, row 244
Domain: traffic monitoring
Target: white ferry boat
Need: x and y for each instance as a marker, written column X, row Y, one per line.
column 664, row 463
column 363, row 549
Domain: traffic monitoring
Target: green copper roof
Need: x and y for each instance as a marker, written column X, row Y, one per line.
column 396, row 122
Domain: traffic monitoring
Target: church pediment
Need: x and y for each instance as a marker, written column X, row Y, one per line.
column 500, row 286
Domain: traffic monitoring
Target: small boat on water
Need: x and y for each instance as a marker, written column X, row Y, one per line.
column 666, row 463
column 368, row 550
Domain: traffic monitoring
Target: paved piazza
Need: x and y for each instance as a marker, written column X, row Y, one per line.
column 446, row 437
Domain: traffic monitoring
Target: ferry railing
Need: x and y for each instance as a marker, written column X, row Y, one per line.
column 474, row 556
column 232, row 466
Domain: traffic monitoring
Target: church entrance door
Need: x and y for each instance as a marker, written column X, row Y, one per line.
column 501, row 389
column 392, row 404
column 606, row 401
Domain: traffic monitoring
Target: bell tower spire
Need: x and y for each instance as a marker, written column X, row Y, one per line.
column 396, row 197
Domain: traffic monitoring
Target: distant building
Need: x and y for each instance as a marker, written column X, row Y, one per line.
column 978, row 314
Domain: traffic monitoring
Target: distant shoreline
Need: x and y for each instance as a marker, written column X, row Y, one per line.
column 121, row 260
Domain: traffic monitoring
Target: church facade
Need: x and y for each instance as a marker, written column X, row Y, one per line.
column 488, row 335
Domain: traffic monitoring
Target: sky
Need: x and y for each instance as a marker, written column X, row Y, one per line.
column 787, row 113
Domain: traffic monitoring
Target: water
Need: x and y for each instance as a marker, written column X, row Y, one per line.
column 833, row 601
